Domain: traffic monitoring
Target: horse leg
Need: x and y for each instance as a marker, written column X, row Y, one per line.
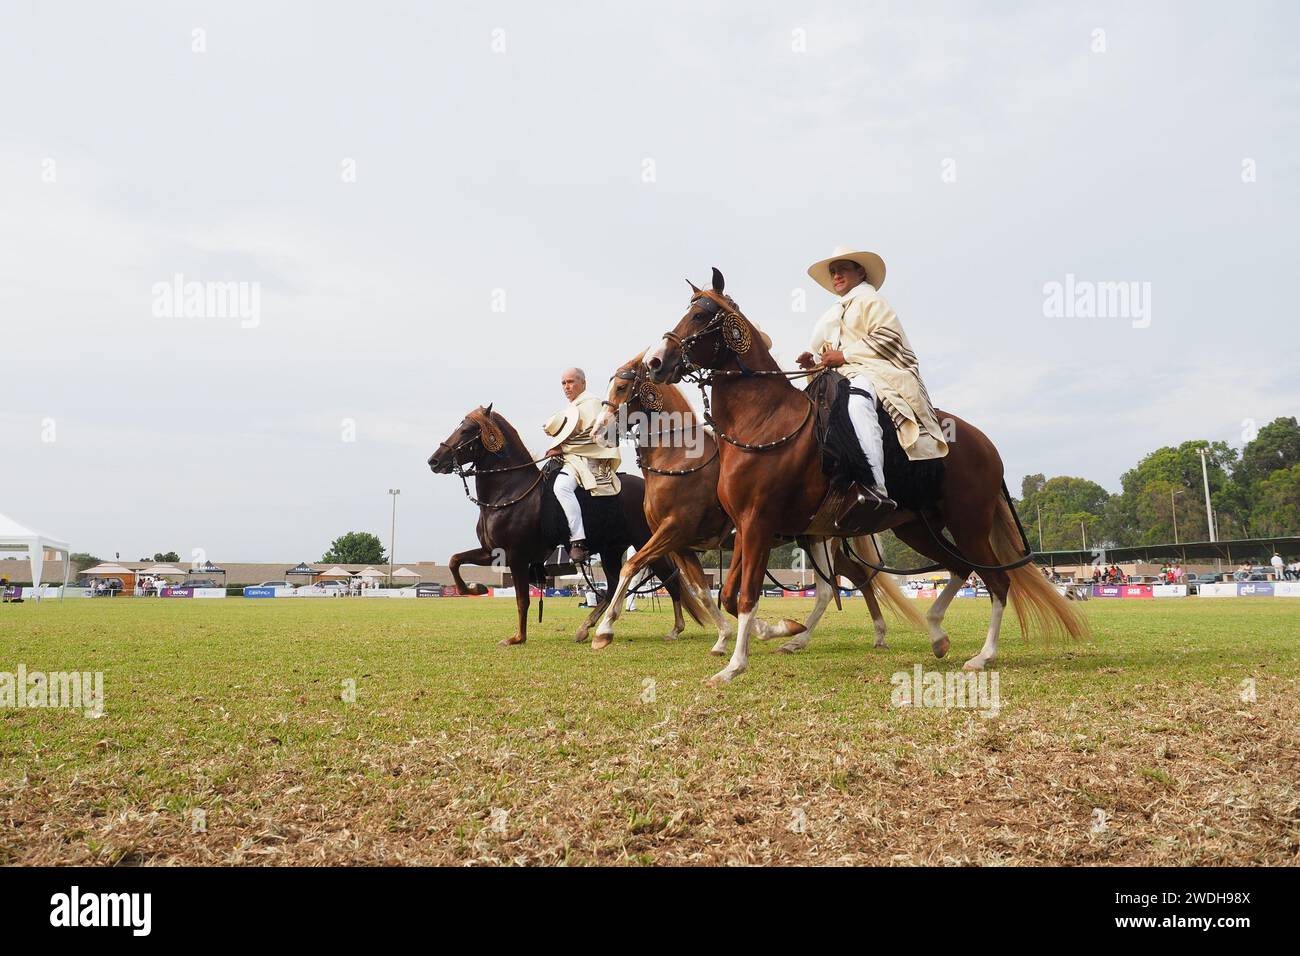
column 612, row 563
column 971, row 533
column 747, row 564
column 864, row 581
column 692, row 579
column 520, row 574
column 824, row 593
column 673, row 585
column 914, row 535
column 477, row 556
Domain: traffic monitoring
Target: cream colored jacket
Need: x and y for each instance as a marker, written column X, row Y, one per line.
column 595, row 467
column 865, row 328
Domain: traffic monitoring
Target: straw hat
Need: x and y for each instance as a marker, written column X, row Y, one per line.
column 875, row 266
column 561, row 425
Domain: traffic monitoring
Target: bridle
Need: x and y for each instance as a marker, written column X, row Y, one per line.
column 648, row 394
column 735, row 333
column 464, row 473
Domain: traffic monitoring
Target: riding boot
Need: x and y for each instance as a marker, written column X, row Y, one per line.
column 865, row 511
column 578, row 552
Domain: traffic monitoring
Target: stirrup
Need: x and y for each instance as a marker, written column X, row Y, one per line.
column 578, row 552
column 864, row 507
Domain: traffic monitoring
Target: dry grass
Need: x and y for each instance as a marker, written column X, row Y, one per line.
column 234, row 708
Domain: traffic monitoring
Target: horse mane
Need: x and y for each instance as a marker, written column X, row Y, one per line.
column 493, row 418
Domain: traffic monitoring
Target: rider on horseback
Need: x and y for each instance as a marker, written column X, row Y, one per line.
column 586, row 464
column 862, row 337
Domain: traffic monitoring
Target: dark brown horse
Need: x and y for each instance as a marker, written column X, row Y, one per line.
column 777, row 490
column 681, row 463
column 509, row 492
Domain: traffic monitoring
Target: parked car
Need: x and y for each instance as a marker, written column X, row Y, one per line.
column 333, row 585
column 201, row 583
column 275, row 584
column 428, row 590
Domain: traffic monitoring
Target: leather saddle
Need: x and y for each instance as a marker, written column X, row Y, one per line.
column 850, row 507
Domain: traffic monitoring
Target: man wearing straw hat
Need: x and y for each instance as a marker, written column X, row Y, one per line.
column 862, row 337
column 587, row 465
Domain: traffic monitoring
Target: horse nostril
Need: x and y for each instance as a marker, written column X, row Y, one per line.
column 655, row 362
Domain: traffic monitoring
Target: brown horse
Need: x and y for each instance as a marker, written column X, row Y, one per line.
column 510, row 528
column 681, row 464
column 779, row 488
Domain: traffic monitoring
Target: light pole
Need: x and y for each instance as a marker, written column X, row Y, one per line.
column 1174, row 512
column 1040, row 526
column 1209, row 515
column 392, row 534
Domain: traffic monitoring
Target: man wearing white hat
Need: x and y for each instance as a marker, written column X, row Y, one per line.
column 862, row 337
column 586, row 464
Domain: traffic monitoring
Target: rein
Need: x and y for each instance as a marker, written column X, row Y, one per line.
column 473, row 471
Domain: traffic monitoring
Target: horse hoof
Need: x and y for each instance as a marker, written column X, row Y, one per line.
column 581, row 638
column 974, row 664
column 602, row 640
column 511, row 641
column 880, row 646
column 717, row 653
column 941, row 646
column 793, row 627
column 672, row 635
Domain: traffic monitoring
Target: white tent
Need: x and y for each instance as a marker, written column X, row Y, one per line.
column 16, row 537
column 405, row 573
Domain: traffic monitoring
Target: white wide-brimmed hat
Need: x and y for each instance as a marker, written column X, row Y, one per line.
column 561, row 425
column 875, row 266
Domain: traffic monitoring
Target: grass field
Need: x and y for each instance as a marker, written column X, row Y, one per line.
column 457, row 751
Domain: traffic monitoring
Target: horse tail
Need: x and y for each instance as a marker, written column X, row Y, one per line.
column 885, row 586
column 1038, row 605
column 693, row 584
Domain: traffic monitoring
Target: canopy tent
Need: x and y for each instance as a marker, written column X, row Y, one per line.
column 162, row 570
column 302, row 570
column 207, row 567
column 370, row 573
column 406, row 573
column 17, row 537
column 336, row 572
column 126, row 575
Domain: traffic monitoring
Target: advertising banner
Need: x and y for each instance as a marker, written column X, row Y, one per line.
column 1286, row 589
column 1223, row 589
column 1138, row 591
column 1107, row 591
column 1169, row 590
column 176, row 593
column 1255, row 589
column 259, row 592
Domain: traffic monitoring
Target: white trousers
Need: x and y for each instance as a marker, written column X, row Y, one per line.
column 862, row 412
column 566, row 489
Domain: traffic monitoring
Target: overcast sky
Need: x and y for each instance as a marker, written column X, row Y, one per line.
column 381, row 170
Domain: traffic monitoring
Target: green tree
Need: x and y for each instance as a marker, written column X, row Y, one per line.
column 1056, row 500
column 80, row 560
column 1277, row 503
column 1277, row 445
column 356, row 547
column 171, row 557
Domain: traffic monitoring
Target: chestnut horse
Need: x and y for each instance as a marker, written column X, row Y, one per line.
column 778, row 489
column 680, row 460
column 510, row 487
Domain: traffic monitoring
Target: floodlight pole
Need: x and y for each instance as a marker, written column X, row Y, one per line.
column 1209, row 514
column 392, row 534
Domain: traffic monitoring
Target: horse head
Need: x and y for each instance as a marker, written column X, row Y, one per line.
column 477, row 435
column 711, row 335
column 627, row 386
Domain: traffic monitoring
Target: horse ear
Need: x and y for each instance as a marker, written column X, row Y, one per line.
column 488, row 411
column 718, row 281
column 694, row 287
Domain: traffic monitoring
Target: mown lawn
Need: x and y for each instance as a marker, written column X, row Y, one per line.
column 1138, row 746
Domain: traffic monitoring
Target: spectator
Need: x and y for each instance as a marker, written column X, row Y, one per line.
column 1242, row 572
column 1278, row 565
